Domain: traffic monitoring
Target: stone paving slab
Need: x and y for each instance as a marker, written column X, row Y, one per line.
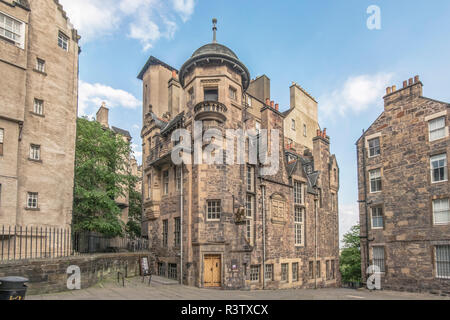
column 136, row 290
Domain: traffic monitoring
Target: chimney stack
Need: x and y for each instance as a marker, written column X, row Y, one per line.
column 103, row 115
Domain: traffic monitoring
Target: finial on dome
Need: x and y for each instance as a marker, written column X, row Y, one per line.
column 214, row 21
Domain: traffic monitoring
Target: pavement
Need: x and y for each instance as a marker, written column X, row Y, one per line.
column 165, row 289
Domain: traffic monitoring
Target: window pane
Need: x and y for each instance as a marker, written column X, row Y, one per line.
column 441, row 211
column 443, row 262
column 378, row 258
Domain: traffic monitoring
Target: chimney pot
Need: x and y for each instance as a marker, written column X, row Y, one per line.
column 174, row 74
column 405, row 84
column 325, row 133
column 388, row 90
column 272, row 103
column 268, row 102
column 277, row 107
column 416, row 79
column 410, row 81
column 394, row 88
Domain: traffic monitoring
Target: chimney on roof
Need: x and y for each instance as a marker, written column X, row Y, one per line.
column 103, row 115
column 277, row 107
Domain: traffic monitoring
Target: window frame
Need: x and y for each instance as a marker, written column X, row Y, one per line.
column 255, row 276
column 35, row 152
column 215, row 215
column 431, row 131
column 374, row 148
column 166, row 182
column 437, row 158
column 2, row 141
column 299, row 226
column 38, row 107
column 40, row 65
column 33, row 198
column 295, row 272
column 284, row 272
column 20, row 33
column 249, row 217
column 207, row 92
column 270, row 272
column 293, row 125
column 380, row 208
column 232, row 93
column 177, row 232
column 63, row 39
column 447, row 262
column 382, row 250
column 149, row 186
column 165, row 232
column 376, row 179
column 434, row 212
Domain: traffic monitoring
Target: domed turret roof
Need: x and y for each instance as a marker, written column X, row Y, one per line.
column 214, row 48
column 216, row 53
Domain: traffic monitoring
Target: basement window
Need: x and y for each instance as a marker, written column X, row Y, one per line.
column 443, row 262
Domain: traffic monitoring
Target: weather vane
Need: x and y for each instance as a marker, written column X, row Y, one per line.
column 214, row 21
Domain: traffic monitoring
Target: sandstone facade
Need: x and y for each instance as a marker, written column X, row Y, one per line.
column 227, row 226
column 404, row 191
column 38, row 110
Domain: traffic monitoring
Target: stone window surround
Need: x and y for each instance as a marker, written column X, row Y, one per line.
column 381, row 175
column 20, row 44
column 371, row 137
column 371, row 216
column 220, row 210
column 431, row 206
column 382, row 245
column 64, row 40
column 435, row 256
column 430, row 170
column 434, row 117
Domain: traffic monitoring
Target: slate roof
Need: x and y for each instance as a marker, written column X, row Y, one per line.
column 172, row 124
column 122, row 132
column 152, row 61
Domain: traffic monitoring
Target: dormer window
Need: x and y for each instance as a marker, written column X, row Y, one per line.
column 211, row 94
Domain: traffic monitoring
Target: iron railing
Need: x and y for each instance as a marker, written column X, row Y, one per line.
column 25, row 243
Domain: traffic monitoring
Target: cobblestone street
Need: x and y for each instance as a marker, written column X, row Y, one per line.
column 162, row 289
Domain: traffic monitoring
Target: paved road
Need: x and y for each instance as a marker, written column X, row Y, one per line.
column 161, row 289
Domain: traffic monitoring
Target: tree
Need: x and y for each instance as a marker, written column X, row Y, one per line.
column 133, row 227
column 351, row 256
column 102, row 173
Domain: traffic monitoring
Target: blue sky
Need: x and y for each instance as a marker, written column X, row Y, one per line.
column 325, row 46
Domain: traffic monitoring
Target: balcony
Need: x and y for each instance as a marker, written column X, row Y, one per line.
column 151, row 210
column 210, row 110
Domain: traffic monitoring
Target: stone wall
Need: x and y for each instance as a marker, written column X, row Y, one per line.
column 50, row 275
column 409, row 234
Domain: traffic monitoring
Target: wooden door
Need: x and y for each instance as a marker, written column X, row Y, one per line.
column 212, row 271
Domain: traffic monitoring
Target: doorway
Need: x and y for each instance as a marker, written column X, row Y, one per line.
column 212, row 271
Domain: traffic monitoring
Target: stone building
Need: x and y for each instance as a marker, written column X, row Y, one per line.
column 123, row 201
column 38, row 111
column 404, row 191
column 228, row 226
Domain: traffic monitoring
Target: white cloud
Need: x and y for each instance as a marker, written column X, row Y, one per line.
column 91, row 96
column 356, row 95
column 144, row 20
column 185, row 8
column 348, row 217
column 137, row 151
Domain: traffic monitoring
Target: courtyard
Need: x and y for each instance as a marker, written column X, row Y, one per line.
column 163, row 289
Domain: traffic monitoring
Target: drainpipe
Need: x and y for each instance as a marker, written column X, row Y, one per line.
column 181, row 227
column 365, row 201
column 316, row 247
column 263, row 191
